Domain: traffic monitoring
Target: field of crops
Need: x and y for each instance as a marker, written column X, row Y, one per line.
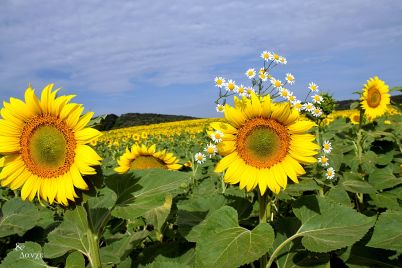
column 275, row 182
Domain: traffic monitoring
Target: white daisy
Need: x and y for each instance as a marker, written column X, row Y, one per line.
column 220, row 108
column 309, row 107
column 317, row 112
column 283, row 60
column 250, row 73
column 317, row 98
column 327, row 147
column 219, row 81
column 323, row 160
column 249, row 91
column 266, row 55
column 297, row 105
column 313, row 87
column 284, row 93
column 290, row 78
column 263, row 76
column 276, row 58
column 330, row 173
column 276, row 83
column 291, row 97
column 199, row 158
column 211, row 150
column 217, row 136
column 231, row 86
column 241, row 90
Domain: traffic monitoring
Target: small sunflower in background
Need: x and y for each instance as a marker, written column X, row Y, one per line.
column 355, row 118
column 264, row 143
column 44, row 143
column 143, row 157
column 375, row 98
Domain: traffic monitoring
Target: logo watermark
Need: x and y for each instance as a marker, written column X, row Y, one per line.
column 27, row 255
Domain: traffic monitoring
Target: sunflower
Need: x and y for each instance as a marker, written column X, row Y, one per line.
column 355, row 118
column 263, row 143
column 44, row 146
column 375, row 98
column 142, row 157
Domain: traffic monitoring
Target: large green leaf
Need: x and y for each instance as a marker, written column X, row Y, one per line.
column 75, row 260
column 120, row 249
column 193, row 211
column 158, row 215
column 28, row 254
column 353, row 182
column 383, row 178
column 18, row 217
column 74, row 233
column 388, row 231
column 141, row 191
column 327, row 226
column 225, row 244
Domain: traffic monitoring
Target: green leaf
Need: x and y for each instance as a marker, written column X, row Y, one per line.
column 359, row 256
column 328, row 226
column 354, row 105
column 28, row 254
column 193, row 211
column 339, row 195
column 167, row 264
column 353, row 182
column 385, row 200
column 368, row 162
column 75, row 260
column 387, row 231
column 72, row 234
column 385, row 159
column 383, row 178
column 17, row 217
column 158, row 215
column 225, row 244
column 141, row 191
column 117, row 251
column 172, row 252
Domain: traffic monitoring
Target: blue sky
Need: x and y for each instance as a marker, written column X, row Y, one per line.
column 162, row 56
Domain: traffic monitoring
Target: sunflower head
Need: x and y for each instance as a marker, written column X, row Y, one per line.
column 143, row 157
column 45, row 146
column 263, row 143
column 375, row 98
column 355, row 118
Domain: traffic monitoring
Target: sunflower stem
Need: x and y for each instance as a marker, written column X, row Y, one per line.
column 94, row 256
column 263, row 202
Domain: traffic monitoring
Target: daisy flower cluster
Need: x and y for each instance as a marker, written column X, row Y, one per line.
column 211, row 148
column 324, row 160
column 261, row 81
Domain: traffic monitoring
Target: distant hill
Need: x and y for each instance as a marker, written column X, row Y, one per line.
column 112, row 121
column 345, row 104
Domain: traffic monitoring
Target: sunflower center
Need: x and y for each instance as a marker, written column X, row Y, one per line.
column 146, row 162
column 374, row 97
column 47, row 146
column 262, row 142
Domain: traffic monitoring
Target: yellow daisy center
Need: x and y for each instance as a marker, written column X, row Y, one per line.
column 373, row 97
column 276, row 56
column 218, row 136
column 146, row 162
column 47, row 146
column 210, row 150
column 326, row 146
column 262, row 142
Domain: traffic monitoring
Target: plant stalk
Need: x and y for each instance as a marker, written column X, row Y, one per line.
column 94, row 256
column 263, row 201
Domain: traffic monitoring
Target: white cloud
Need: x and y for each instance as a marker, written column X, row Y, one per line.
column 107, row 46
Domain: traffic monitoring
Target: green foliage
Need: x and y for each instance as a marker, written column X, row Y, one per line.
column 190, row 218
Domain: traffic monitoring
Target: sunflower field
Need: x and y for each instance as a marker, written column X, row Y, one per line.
column 277, row 181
